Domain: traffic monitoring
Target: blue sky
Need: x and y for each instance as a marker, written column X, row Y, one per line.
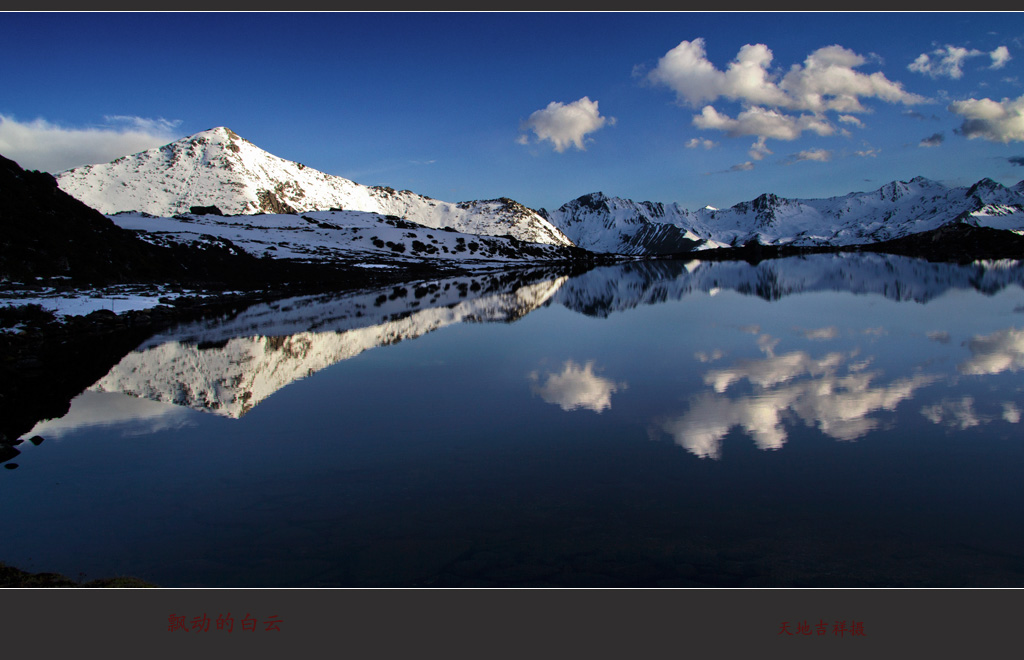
column 695, row 108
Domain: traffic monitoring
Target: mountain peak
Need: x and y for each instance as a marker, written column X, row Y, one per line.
column 219, row 168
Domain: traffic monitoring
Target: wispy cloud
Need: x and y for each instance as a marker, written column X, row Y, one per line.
column 948, row 62
column 42, row 145
column 818, row 155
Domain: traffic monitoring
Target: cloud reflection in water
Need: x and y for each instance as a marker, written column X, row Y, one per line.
column 576, row 387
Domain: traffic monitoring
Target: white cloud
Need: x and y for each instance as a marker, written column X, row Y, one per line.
column 742, row 167
column 998, row 121
column 703, row 143
column 868, row 153
column 565, row 125
column 827, row 80
column 759, row 149
column 41, row 145
column 762, row 122
column 1000, row 56
column 932, row 140
column 1011, row 413
column 947, row 63
column 819, row 155
column 577, row 387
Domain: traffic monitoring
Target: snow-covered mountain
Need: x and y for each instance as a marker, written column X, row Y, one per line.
column 356, row 238
column 218, row 168
column 901, row 208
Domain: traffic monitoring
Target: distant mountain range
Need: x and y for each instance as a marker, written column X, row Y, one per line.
column 896, row 210
column 217, row 172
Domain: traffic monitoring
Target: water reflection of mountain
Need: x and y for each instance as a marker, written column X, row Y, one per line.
column 231, row 364
column 615, row 288
column 228, row 365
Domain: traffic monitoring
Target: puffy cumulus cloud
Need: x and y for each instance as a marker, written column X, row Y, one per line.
column 1000, row 56
column 565, row 125
column 995, row 353
column 932, row 140
column 826, row 80
column 1011, row 413
column 42, row 145
column 762, row 122
column 686, row 70
column 998, row 121
column 819, row 155
column 576, row 387
column 945, row 62
column 702, row 143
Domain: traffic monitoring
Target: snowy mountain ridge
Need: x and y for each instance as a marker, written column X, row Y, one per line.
column 897, row 209
column 219, row 168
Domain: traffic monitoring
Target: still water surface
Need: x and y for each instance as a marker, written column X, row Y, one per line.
column 823, row 421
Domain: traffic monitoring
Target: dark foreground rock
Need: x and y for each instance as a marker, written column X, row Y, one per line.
column 13, row 577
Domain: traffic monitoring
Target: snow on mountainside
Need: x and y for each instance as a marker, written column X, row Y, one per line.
column 900, row 208
column 364, row 239
column 218, row 168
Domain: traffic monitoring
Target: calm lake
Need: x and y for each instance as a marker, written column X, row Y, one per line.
column 830, row 420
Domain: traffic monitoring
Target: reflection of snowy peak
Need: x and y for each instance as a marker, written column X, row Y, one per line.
column 229, row 367
column 615, row 288
column 897, row 209
column 218, row 168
